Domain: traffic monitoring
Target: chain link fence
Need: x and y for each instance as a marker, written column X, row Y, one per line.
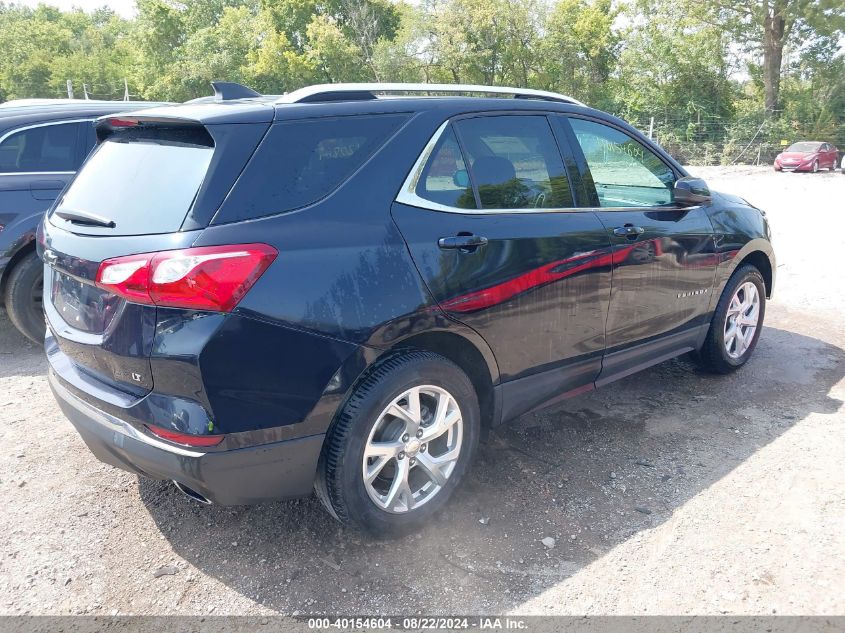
column 79, row 90
column 744, row 140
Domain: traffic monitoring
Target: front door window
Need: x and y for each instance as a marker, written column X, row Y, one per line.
column 625, row 172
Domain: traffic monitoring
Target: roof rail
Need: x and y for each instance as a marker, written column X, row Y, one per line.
column 228, row 90
column 366, row 91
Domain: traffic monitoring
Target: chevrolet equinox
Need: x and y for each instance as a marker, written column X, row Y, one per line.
column 339, row 289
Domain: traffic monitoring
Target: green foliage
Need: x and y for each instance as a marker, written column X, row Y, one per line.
column 673, row 64
column 43, row 47
column 693, row 71
column 581, row 50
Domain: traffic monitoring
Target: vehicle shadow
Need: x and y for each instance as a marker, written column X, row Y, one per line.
column 590, row 474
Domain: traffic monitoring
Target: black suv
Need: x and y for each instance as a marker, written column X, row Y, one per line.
column 338, row 290
column 42, row 144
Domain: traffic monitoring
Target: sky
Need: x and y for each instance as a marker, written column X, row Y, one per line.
column 125, row 8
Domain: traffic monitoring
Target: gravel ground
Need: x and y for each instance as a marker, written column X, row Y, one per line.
column 668, row 492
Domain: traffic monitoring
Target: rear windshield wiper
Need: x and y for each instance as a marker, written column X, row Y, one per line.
column 83, row 217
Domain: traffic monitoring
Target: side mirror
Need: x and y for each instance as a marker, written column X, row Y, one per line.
column 691, row 192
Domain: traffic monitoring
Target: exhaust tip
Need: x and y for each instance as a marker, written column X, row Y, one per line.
column 191, row 493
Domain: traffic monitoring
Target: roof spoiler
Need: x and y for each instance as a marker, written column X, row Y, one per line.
column 138, row 121
column 228, row 91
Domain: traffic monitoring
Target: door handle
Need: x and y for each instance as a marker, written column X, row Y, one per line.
column 629, row 231
column 469, row 242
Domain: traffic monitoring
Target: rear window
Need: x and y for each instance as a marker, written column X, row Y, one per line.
column 300, row 162
column 144, row 185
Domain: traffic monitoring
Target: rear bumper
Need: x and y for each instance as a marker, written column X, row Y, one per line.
column 280, row 470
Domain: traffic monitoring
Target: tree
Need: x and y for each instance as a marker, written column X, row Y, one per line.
column 716, row 74
column 580, row 50
column 482, row 41
column 364, row 23
column 159, row 32
column 45, row 47
column 769, row 26
column 335, row 56
column 673, row 65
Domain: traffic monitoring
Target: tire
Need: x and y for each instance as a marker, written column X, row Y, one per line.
column 720, row 353
column 23, row 298
column 364, row 421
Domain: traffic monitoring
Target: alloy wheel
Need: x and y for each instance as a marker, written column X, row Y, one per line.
column 412, row 449
column 742, row 319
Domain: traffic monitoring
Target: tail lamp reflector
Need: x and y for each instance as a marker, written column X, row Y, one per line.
column 184, row 438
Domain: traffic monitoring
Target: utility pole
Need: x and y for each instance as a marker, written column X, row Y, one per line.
column 125, row 90
column 69, row 89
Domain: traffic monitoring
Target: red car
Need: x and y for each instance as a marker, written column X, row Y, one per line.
column 807, row 156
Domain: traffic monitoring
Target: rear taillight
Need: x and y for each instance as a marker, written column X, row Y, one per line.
column 184, row 438
column 204, row 278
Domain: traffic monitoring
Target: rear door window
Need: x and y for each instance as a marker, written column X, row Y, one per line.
column 301, row 162
column 515, row 163
column 445, row 179
column 143, row 183
column 45, row 148
column 510, row 161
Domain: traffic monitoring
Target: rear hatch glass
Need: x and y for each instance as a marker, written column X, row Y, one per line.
column 139, row 182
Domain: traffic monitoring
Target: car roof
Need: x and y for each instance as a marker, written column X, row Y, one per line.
column 33, row 111
column 235, row 103
column 210, row 112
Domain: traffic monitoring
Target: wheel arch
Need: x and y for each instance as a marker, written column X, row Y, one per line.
column 761, row 262
column 466, row 355
column 757, row 252
column 431, row 331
